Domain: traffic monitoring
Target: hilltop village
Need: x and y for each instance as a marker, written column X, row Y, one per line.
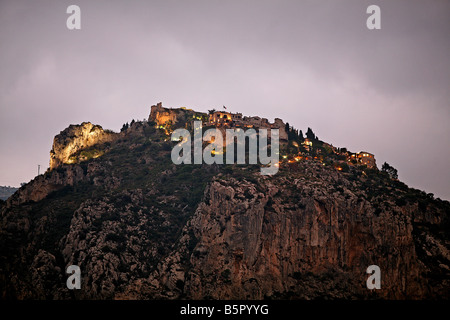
column 86, row 141
column 295, row 146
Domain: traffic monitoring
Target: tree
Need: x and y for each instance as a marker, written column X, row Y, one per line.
column 211, row 111
column 391, row 171
column 310, row 134
column 345, row 167
column 292, row 133
column 124, row 127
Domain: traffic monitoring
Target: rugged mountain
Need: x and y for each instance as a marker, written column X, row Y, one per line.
column 6, row 192
column 141, row 227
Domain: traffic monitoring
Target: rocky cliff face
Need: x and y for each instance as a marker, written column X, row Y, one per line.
column 300, row 237
column 75, row 138
column 141, row 227
column 43, row 185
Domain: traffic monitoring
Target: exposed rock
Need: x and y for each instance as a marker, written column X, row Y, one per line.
column 41, row 186
column 44, row 272
column 75, row 138
column 297, row 238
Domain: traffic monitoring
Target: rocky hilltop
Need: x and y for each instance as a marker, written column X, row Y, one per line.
column 141, row 227
column 76, row 138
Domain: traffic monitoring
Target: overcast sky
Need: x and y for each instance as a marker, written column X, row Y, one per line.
column 312, row 63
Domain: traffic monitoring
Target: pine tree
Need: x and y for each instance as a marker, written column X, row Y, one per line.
column 310, row 134
column 391, row 171
column 300, row 135
column 124, row 127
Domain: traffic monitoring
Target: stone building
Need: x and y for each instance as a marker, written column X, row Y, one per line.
column 162, row 115
column 221, row 118
column 364, row 158
column 307, row 144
